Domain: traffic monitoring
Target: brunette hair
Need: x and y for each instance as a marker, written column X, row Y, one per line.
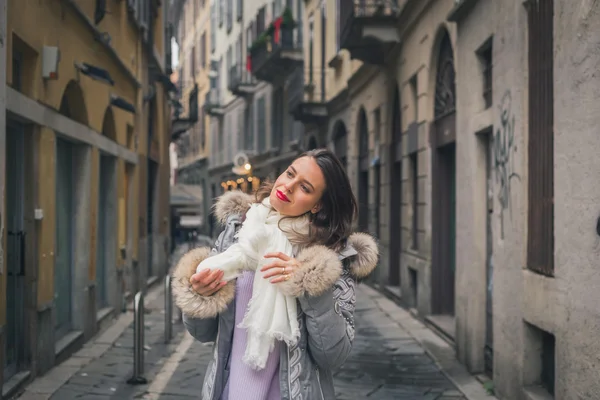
column 332, row 224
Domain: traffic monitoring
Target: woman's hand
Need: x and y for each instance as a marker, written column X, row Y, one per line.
column 282, row 267
column 207, row 282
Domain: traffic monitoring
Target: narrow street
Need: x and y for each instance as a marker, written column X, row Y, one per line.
column 388, row 361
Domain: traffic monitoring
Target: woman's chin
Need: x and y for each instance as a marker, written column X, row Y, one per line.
column 276, row 203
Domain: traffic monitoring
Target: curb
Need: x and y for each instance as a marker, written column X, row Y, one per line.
column 43, row 387
column 437, row 348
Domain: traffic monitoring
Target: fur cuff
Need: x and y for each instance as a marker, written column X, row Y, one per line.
column 365, row 261
column 319, row 269
column 235, row 202
column 191, row 303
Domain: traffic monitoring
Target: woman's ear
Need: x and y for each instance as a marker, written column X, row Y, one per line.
column 316, row 208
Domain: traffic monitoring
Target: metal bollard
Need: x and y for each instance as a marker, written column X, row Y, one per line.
column 168, row 309
column 138, row 341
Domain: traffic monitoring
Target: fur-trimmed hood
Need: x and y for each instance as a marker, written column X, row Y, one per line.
column 320, row 266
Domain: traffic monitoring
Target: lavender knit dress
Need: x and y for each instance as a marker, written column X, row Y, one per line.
column 245, row 383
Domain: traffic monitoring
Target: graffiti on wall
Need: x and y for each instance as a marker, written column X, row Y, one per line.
column 504, row 148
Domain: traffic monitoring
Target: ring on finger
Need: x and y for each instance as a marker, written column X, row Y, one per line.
column 282, row 270
column 287, row 277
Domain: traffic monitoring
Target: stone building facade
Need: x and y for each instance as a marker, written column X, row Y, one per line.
column 84, row 213
column 467, row 129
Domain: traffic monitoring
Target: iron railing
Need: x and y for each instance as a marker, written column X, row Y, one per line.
column 239, row 75
column 287, row 40
column 351, row 10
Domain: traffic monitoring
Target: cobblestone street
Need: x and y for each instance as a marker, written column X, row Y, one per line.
column 388, row 361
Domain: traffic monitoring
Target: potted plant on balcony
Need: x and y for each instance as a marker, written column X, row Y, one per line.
column 281, row 27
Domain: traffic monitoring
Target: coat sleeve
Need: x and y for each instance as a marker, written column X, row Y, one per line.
column 200, row 313
column 330, row 322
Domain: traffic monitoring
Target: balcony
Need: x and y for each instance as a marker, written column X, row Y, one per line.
column 308, row 106
column 369, row 28
column 241, row 81
column 213, row 104
column 277, row 51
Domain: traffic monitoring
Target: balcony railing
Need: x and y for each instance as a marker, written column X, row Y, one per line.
column 357, row 16
column 277, row 51
column 307, row 104
column 213, row 103
column 241, row 81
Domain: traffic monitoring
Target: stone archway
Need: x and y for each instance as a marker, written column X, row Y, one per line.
column 363, row 171
column 340, row 143
column 72, row 103
column 109, row 128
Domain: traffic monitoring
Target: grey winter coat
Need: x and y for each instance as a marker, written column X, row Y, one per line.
column 324, row 286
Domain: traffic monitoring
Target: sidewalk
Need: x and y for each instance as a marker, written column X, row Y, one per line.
column 391, row 359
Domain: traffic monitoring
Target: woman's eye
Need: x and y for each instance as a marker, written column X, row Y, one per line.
column 305, row 188
column 289, row 174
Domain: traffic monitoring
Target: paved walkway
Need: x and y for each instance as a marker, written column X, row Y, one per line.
column 391, row 359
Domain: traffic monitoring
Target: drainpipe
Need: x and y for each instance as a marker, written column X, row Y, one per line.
column 2, row 124
column 151, row 133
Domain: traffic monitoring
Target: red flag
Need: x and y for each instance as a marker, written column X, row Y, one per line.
column 249, row 63
column 277, row 26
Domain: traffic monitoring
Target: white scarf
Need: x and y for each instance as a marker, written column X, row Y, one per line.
column 271, row 315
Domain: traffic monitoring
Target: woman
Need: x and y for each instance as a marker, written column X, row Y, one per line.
column 328, row 261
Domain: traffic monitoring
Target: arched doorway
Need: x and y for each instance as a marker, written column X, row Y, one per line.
column 363, row 171
column 443, row 203
column 106, row 224
column 72, row 105
column 340, row 143
column 395, row 201
column 109, row 128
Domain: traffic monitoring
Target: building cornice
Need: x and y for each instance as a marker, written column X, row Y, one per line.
column 29, row 110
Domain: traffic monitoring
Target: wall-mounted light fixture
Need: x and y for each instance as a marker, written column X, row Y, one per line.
column 121, row 103
column 96, row 73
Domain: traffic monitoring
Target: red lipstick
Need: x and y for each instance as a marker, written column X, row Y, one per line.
column 281, row 196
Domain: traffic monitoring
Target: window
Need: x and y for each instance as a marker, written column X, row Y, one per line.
column 485, row 57
column 240, row 129
column 17, row 70
column 311, row 49
column 193, row 60
column 229, row 15
column 337, row 27
column 240, row 9
column 203, row 51
column 277, row 118
column 249, row 139
column 203, row 129
column 221, row 11
column 228, row 65
column 540, row 232
column 377, row 172
column 213, row 31
column 261, row 21
column 414, row 178
column 261, row 125
column 277, row 11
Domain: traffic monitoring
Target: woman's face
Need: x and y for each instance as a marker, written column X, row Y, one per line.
column 299, row 189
